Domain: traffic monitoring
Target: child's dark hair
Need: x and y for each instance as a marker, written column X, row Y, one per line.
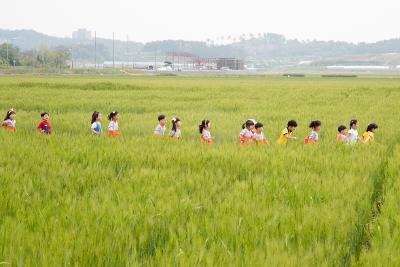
column 352, row 122
column 95, row 115
column 8, row 114
column 315, row 124
column 292, row 123
column 258, row 125
column 161, row 117
column 248, row 123
column 174, row 121
column 43, row 113
column 372, row 126
column 112, row 115
column 203, row 124
column 341, row 128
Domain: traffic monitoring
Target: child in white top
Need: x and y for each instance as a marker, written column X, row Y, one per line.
column 113, row 128
column 259, row 134
column 313, row 138
column 247, row 134
column 9, row 122
column 353, row 133
column 96, row 123
column 205, row 135
column 160, row 128
column 176, row 128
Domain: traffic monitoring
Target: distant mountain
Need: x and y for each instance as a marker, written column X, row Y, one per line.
column 264, row 49
column 81, row 50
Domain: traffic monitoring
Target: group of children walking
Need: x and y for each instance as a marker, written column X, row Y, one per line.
column 252, row 131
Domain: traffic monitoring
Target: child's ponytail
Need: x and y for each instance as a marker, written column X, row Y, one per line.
column 9, row 113
column 174, row 121
column 112, row 115
column 248, row 123
column 203, row 125
column 95, row 115
column 314, row 124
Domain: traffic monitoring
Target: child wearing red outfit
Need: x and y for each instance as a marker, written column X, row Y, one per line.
column 45, row 126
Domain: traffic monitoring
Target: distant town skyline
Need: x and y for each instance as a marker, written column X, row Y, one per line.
column 143, row 21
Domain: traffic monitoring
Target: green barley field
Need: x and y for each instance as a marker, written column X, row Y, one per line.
column 72, row 199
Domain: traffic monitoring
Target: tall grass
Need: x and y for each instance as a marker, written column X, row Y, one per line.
column 383, row 230
column 72, row 199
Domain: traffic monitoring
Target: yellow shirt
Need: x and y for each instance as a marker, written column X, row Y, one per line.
column 282, row 138
column 368, row 137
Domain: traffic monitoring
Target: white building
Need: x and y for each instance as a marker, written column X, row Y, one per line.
column 82, row 35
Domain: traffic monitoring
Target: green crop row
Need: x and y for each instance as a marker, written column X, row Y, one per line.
column 72, row 199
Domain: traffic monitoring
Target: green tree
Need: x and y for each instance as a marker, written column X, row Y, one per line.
column 61, row 57
column 9, row 54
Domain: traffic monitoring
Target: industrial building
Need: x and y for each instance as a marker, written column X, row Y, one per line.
column 230, row 63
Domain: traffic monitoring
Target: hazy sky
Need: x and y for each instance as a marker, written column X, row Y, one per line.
column 146, row 20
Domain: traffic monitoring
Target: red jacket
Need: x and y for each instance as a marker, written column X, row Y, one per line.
column 44, row 127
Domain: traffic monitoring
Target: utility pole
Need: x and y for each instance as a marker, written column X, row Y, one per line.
column 127, row 51
column 95, row 50
column 133, row 60
column 72, row 59
column 113, row 52
column 8, row 61
column 155, row 61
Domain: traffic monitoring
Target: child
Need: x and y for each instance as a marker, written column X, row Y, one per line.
column 160, row 129
column 254, row 121
column 342, row 136
column 259, row 135
column 369, row 135
column 45, row 126
column 113, row 129
column 9, row 122
column 287, row 133
column 313, row 137
column 176, row 128
column 247, row 134
column 205, row 134
column 353, row 133
column 96, row 125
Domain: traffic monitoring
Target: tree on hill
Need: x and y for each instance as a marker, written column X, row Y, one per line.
column 9, row 55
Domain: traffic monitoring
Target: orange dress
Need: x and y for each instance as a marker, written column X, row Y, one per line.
column 9, row 125
column 113, row 129
column 205, row 137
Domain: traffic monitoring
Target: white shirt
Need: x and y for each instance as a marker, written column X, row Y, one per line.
column 159, row 130
column 96, row 126
column 206, row 135
column 259, row 137
column 353, row 136
column 246, row 133
column 113, row 126
column 10, row 123
column 176, row 134
column 313, row 135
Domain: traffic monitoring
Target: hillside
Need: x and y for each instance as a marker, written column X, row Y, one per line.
column 264, row 49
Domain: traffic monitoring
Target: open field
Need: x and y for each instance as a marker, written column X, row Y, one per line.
column 72, row 199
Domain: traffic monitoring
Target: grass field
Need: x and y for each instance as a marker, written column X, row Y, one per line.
column 72, row 199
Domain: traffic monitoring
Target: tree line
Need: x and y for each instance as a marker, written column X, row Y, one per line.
column 11, row 55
